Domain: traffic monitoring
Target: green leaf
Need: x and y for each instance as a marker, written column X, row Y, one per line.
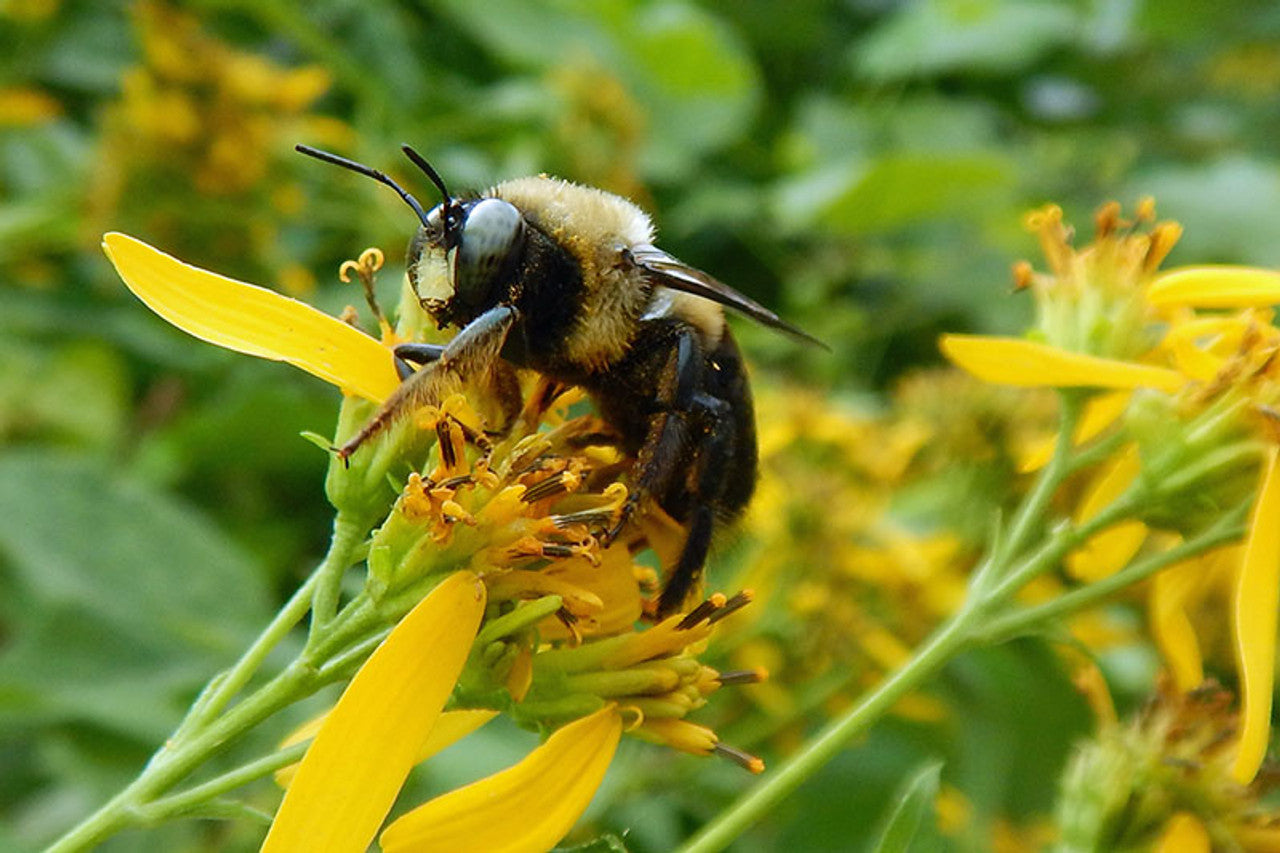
column 914, row 803
column 697, row 79
column 941, row 36
column 1226, row 208
column 119, row 600
column 901, row 189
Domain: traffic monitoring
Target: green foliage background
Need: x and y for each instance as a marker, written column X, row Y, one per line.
column 860, row 166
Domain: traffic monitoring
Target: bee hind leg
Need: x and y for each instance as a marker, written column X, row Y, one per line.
column 711, row 453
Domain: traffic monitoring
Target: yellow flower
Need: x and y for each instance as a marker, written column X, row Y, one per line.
column 1256, row 599
column 389, row 719
column 526, row 807
column 540, row 622
column 1027, row 364
column 1201, row 425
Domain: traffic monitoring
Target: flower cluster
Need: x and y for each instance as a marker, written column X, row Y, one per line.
column 1177, row 380
column 489, row 543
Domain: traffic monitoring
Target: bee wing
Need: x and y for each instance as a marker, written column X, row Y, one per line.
column 671, row 272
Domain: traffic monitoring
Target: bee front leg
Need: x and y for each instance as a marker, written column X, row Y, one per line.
column 472, row 353
column 409, row 354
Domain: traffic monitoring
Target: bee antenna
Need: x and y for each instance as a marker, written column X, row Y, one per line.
column 427, row 169
column 367, row 171
column 450, row 208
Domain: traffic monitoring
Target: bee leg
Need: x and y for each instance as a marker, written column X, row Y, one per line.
column 407, row 354
column 706, row 487
column 472, row 352
column 667, row 438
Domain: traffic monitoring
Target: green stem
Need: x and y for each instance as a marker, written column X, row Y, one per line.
column 173, row 761
column 1009, row 542
column 1097, row 451
column 343, row 663
column 184, row 802
column 348, row 533
column 998, row 577
column 950, row 638
column 1031, row 513
column 1229, row 528
column 223, row 688
column 202, row 734
column 1062, row 541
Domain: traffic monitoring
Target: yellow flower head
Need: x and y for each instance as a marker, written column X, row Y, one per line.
column 526, row 613
column 1191, row 355
column 1091, row 300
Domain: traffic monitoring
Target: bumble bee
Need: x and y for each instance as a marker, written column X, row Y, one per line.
column 565, row 280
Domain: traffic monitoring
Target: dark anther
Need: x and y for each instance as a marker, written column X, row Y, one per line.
column 447, row 455
column 733, row 605
column 553, row 485
column 705, row 610
column 740, row 676
column 743, row 759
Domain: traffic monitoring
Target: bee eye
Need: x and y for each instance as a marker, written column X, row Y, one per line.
column 491, row 240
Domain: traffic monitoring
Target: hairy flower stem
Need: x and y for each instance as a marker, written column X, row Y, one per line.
column 988, row 615
column 210, row 725
column 326, row 581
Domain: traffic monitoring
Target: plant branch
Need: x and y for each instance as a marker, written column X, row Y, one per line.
column 1229, row 528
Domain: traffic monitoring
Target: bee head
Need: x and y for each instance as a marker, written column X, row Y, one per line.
column 463, row 250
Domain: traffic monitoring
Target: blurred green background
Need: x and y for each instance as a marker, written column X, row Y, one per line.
column 860, row 166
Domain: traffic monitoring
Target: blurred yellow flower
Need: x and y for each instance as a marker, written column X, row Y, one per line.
column 22, row 105
column 1212, row 374
column 1165, row 781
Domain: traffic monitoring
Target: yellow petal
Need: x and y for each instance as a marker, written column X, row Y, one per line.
column 450, row 727
column 1201, row 346
column 1256, row 594
column 528, row 807
column 1171, row 625
column 1184, row 833
column 253, row 320
column 1099, row 413
column 1113, row 548
column 1026, row 364
column 1216, row 287
column 353, row 771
